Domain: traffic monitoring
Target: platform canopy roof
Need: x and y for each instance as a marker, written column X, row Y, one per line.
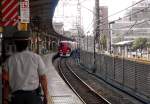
column 44, row 11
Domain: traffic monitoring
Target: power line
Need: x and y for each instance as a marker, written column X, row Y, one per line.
column 64, row 17
column 90, row 24
column 137, row 23
column 46, row 20
column 122, row 10
column 130, row 14
column 112, row 14
column 124, row 16
column 82, row 1
column 116, row 12
column 88, row 9
column 104, row 23
column 130, row 28
column 134, row 25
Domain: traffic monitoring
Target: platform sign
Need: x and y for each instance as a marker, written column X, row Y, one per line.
column 24, row 11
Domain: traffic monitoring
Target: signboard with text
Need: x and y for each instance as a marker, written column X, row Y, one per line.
column 24, row 11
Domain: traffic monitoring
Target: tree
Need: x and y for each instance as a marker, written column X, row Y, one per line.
column 119, row 38
column 103, row 42
column 148, row 47
column 139, row 43
column 148, row 43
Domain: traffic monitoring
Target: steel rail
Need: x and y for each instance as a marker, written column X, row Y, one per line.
column 63, row 75
column 91, row 92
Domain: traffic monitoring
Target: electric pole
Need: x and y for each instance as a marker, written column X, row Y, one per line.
column 97, row 21
column 79, row 21
column 97, row 30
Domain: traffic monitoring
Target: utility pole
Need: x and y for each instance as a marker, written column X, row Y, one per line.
column 87, row 42
column 97, row 21
column 109, row 36
column 97, row 30
column 64, row 11
column 79, row 21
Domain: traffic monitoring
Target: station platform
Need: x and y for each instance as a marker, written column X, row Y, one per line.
column 59, row 91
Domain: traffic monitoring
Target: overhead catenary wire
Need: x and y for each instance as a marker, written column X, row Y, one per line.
column 124, row 16
column 109, row 15
column 130, row 14
column 122, row 10
column 82, row 1
column 116, row 12
column 105, row 23
column 138, row 23
column 123, row 27
column 130, row 28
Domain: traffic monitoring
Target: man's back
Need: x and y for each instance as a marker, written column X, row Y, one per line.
column 23, row 72
column 24, row 68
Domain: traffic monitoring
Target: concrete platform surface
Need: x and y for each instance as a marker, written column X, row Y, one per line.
column 59, row 91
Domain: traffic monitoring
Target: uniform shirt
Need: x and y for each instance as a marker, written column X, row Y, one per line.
column 24, row 69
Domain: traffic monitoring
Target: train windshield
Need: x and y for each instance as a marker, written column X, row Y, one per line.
column 63, row 44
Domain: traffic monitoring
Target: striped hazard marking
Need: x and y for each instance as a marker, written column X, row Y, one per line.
column 9, row 12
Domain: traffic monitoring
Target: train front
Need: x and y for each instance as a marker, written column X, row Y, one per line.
column 64, row 49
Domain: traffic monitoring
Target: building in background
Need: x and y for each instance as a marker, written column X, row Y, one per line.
column 136, row 25
column 119, row 32
column 104, row 26
column 59, row 27
column 74, row 33
column 104, row 20
column 67, row 33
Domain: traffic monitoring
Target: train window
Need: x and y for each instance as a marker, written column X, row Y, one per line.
column 63, row 44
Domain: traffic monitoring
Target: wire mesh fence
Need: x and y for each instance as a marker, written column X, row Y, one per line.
column 127, row 74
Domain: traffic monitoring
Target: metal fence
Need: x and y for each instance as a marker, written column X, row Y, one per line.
column 126, row 74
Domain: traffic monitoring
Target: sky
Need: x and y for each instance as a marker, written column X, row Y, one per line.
column 69, row 12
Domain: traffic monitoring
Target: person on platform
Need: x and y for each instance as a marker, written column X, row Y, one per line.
column 23, row 73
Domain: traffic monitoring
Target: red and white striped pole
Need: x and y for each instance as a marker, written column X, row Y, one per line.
column 9, row 12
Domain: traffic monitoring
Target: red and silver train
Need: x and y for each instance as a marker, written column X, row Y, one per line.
column 66, row 48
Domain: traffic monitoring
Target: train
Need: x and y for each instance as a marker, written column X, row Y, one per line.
column 66, row 48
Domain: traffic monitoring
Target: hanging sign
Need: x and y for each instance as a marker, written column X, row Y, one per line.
column 24, row 11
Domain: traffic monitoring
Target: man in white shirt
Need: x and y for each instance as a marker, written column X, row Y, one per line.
column 24, row 71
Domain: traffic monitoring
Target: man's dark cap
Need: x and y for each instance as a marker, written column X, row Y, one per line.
column 21, row 35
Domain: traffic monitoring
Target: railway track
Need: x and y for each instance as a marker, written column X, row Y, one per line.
column 83, row 91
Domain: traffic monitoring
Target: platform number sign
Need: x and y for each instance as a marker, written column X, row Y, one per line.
column 24, row 11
